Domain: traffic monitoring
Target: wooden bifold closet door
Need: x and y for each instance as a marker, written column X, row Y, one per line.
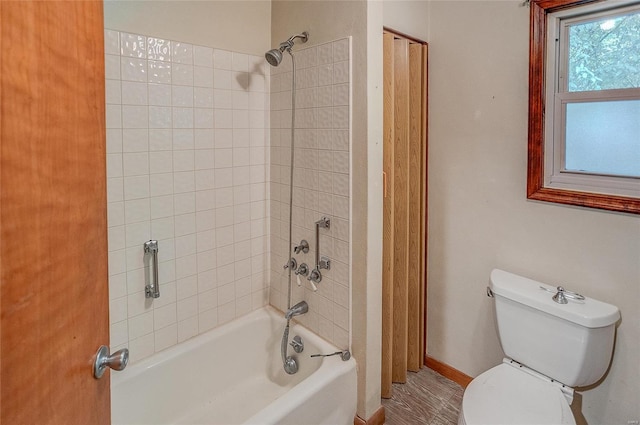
column 404, row 208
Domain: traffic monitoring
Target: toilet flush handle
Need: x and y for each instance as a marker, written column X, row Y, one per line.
column 562, row 294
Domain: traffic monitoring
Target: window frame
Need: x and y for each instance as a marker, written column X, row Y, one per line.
column 537, row 189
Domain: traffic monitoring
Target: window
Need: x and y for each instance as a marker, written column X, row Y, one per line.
column 584, row 112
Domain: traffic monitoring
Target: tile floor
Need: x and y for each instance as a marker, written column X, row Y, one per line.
column 426, row 398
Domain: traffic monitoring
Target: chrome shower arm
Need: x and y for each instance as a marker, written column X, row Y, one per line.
column 304, row 36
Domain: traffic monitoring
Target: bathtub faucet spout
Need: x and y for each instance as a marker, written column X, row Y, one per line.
column 301, row 308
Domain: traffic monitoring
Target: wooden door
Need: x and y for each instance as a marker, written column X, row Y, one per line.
column 404, row 208
column 53, row 247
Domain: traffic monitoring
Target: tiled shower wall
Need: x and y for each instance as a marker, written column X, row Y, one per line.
column 187, row 155
column 321, row 182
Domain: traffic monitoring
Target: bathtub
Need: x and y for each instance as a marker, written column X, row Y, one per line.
column 233, row 375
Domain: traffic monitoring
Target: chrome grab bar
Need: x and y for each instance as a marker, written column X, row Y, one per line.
column 321, row 263
column 152, row 290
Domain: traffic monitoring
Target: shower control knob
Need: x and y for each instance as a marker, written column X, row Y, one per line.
column 303, row 247
column 292, row 263
column 302, row 270
column 315, row 276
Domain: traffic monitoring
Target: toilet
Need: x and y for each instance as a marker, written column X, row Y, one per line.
column 554, row 340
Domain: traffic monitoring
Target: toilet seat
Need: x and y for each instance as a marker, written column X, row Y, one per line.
column 506, row 395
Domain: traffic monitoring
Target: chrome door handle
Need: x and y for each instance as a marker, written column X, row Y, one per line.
column 152, row 290
column 115, row 361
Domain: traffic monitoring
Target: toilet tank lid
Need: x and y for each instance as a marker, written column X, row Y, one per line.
column 589, row 313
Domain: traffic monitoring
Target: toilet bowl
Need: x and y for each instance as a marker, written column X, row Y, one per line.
column 554, row 340
column 508, row 395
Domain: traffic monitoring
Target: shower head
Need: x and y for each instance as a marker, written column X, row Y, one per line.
column 274, row 56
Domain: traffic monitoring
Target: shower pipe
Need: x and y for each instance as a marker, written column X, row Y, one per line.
column 274, row 57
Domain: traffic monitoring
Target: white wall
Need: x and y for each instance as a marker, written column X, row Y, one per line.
column 479, row 217
column 241, row 26
column 328, row 21
column 410, row 17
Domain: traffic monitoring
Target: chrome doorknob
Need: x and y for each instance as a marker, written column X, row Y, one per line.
column 115, row 361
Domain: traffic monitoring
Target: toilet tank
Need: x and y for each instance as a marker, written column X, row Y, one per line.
column 571, row 343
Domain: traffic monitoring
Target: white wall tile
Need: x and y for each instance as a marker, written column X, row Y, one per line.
column 135, row 116
column 202, row 76
column 182, row 117
column 137, row 233
column 185, row 224
column 205, row 200
column 182, row 96
column 239, row 62
column 203, row 138
column 182, row 53
column 182, row 74
column 207, row 280
column 207, row 320
column 137, row 210
column 134, row 93
column 159, row 72
column 187, row 328
column 166, row 337
column 113, row 92
column 203, row 56
column 112, row 67
column 135, row 164
column 183, row 139
column 141, row 325
column 223, row 136
column 183, row 160
column 164, row 316
column 184, row 203
column 111, row 42
column 162, row 228
column 186, row 142
column 141, row 347
column 160, row 139
column 187, row 307
column 222, row 59
column 114, row 140
column 227, row 312
column 203, row 97
column 203, row 118
column 113, row 116
column 183, row 181
column 158, row 49
column 222, row 98
column 133, row 45
column 160, row 162
column 222, row 79
column 136, row 187
column 118, row 333
column 133, row 69
column 341, row 50
column 187, row 289
column 135, row 140
column 161, row 184
column 161, row 206
column 240, row 80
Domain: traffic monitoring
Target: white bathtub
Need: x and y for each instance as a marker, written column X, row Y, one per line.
column 234, row 375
